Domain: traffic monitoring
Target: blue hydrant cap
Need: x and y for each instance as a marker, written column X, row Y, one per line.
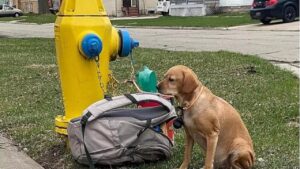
column 127, row 43
column 91, row 45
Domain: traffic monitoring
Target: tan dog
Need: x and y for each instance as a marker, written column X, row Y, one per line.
column 209, row 121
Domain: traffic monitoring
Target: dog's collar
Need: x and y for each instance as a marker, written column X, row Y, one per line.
column 194, row 101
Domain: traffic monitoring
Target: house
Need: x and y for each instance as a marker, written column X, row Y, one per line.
column 207, row 7
column 235, row 5
column 113, row 7
column 28, row 6
column 7, row 2
column 235, row 2
column 129, row 7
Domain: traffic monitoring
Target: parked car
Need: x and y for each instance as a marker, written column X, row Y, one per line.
column 163, row 6
column 6, row 10
column 266, row 10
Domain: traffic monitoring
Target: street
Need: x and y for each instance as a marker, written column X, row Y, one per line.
column 278, row 42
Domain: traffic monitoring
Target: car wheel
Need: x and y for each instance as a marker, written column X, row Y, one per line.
column 165, row 13
column 266, row 21
column 17, row 15
column 289, row 14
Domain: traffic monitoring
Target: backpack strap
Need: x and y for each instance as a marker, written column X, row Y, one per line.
column 107, row 97
column 131, row 98
column 83, row 122
column 148, row 125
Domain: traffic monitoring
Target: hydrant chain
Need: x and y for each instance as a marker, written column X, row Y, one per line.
column 99, row 74
column 132, row 66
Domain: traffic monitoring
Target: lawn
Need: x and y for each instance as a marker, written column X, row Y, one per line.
column 224, row 20
column 32, row 18
column 266, row 96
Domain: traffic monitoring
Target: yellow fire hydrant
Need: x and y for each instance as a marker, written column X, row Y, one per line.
column 85, row 44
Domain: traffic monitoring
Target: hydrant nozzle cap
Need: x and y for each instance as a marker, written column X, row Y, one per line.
column 127, row 43
column 91, row 46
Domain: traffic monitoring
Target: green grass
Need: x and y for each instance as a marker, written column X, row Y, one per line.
column 8, row 18
column 32, row 18
column 268, row 99
column 224, row 20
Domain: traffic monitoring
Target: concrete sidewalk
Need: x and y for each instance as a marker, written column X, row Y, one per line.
column 12, row 158
column 273, row 26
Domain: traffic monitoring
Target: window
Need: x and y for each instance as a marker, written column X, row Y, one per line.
column 1, row 7
column 130, row 3
column 126, row 3
column 133, row 3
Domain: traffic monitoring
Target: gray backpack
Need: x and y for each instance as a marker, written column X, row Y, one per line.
column 109, row 134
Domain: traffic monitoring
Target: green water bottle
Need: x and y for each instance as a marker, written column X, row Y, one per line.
column 146, row 80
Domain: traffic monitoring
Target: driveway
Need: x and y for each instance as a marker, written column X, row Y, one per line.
column 278, row 43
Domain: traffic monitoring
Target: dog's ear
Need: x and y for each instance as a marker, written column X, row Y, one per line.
column 190, row 82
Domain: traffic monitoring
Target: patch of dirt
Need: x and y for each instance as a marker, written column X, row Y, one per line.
column 294, row 122
column 53, row 157
column 251, row 70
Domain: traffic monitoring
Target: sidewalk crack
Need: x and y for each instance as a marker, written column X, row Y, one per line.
column 291, row 63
